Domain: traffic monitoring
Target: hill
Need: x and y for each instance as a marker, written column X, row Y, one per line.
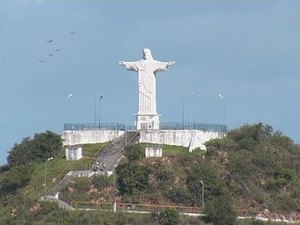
column 252, row 169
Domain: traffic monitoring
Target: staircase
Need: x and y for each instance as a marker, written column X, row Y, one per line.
column 107, row 160
column 110, row 156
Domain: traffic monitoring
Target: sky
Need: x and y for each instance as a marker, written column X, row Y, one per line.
column 247, row 51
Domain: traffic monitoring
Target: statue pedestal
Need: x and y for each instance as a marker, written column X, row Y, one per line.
column 146, row 121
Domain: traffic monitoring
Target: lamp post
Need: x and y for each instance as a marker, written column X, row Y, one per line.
column 114, row 198
column 223, row 99
column 100, row 109
column 193, row 107
column 45, row 178
column 69, row 97
column 202, row 193
column 182, row 115
column 95, row 112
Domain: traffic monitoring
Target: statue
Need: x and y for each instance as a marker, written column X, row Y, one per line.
column 147, row 69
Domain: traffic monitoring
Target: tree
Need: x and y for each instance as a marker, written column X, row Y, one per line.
column 17, row 177
column 41, row 147
column 204, row 173
column 132, row 178
column 220, row 212
column 134, row 152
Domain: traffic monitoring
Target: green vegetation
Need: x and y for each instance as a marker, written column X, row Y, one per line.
column 219, row 211
column 166, row 217
column 261, row 165
column 134, row 152
column 252, row 168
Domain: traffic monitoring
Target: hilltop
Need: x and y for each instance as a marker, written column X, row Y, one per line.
column 252, row 169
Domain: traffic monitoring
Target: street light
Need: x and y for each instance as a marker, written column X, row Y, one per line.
column 45, row 178
column 100, row 109
column 182, row 115
column 202, row 195
column 114, row 198
column 68, row 99
column 193, row 105
column 223, row 99
column 95, row 112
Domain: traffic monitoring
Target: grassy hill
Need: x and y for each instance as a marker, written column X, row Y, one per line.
column 252, row 169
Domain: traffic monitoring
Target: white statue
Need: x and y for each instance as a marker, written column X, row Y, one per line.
column 147, row 69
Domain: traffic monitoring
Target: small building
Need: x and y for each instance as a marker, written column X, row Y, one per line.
column 73, row 152
column 153, row 151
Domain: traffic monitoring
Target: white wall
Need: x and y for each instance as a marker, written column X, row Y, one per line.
column 73, row 153
column 77, row 137
column 153, row 151
column 187, row 138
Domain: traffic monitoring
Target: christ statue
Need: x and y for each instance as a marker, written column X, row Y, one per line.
column 147, row 69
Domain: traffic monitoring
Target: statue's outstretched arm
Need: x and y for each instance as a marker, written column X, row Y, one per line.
column 122, row 63
column 171, row 63
column 130, row 65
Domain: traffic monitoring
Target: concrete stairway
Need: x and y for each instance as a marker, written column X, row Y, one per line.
column 104, row 164
column 110, row 157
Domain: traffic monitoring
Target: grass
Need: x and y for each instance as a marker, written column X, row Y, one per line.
column 55, row 167
column 170, row 150
column 35, row 189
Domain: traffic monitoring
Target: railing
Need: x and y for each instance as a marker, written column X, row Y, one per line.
column 129, row 207
column 94, row 126
column 97, row 154
column 193, row 126
column 113, row 153
column 151, row 208
column 163, row 126
column 58, row 179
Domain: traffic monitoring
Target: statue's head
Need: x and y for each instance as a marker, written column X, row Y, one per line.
column 147, row 54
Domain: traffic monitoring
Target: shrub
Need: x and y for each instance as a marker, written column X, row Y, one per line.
column 180, row 195
column 166, row 217
column 102, row 182
column 134, row 152
column 220, row 212
column 132, row 178
column 163, row 176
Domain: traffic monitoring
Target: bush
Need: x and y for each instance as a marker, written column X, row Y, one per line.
column 102, row 182
column 164, row 177
column 180, row 195
column 134, row 152
column 17, row 177
column 204, row 174
column 132, row 178
column 286, row 203
column 166, row 217
column 220, row 212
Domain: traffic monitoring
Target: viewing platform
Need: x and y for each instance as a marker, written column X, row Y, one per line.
column 163, row 126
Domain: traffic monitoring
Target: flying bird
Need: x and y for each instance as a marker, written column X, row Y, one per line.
column 57, row 50
column 221, row 96
column 72, row 32
column 40, row 61
column 49, row 41
column 70, row 95
column 51, row 54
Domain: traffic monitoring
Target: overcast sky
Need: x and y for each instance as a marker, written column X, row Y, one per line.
column 247, row 51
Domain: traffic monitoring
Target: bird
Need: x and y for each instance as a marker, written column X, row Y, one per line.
column 51, row 54
column 72, row 32
column 49, row 41
column 57, row 50
column 40, row 61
